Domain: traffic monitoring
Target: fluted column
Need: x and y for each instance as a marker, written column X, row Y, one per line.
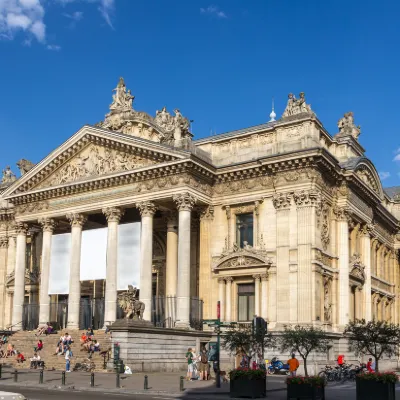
column 257, row 278
column 306, row 202
column 147, row 210
column 19, row 275
column 343, row 264
column 184, row 203
column 172, row 254
column 366, row 233
column 221, row 297
column 48, row 225
column 74, row 298
column 359, row 302
column 264, row 296
column 113, row 215
column 282, row 204
column 3, row 271
column 228, row 306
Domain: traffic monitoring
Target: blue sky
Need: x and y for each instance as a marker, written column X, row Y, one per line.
column 219, row 62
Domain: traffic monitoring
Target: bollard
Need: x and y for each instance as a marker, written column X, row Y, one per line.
column 118, row 384
column 92, row 379
column 15, row 376
column 181, row 388
column 146, row 382
column 41, row 376
column 63, row 378
column 1, row 366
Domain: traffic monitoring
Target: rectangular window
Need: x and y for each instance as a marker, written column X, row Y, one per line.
column 244, row 230
column 246, row 302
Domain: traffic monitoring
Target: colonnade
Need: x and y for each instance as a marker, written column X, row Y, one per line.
column 178, row 262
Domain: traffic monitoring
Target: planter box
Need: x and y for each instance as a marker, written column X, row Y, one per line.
column 375, row 390
column 305, row 391
column 253, row 388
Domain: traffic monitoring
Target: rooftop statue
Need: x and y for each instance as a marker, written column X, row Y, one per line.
column 122, row 99
column 24, row 166
column 296, row 106
column 347, row 126
column 8, row 175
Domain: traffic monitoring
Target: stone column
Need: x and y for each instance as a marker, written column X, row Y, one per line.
column 366, row 233
column 221, row 297
column 113, row 215
column 282, row 203
column 205, row 273
column 257, row 294
column 264, row 296
column 48, row 225
column 184, row 203
column 358, row 298
column 19, row 275
column 147, row 210
column 74, row 298
column 3, row 275
column 343, row 264
column 228, row 306
column 172, row 254
column 306, row 202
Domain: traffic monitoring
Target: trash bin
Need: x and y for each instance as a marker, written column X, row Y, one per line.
column 119, row 366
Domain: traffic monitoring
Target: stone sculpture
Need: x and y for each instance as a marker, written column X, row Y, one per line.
column 24, row 166
column 296, row 106
column 347, row 126
column 122, row 99
column 132, row 307
column 8, row 175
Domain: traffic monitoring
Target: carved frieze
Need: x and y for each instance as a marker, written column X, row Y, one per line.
column 32, row 207
column 95, row 161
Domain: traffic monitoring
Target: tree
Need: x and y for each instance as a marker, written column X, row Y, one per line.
column 252, row 341
column 303, row 340
column 375, row 338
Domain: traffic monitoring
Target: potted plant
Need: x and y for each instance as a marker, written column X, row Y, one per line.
column 245, row 382
column 305, row 387
column 376, row 386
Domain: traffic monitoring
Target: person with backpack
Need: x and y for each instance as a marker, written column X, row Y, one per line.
column 204, row 364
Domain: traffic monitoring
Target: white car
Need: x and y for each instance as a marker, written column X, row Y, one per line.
column 11, row 396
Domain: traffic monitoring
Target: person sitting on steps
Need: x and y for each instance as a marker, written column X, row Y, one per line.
column 35, row 361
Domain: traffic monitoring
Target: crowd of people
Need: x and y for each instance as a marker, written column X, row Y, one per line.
column 198, row 365
column 89, row 343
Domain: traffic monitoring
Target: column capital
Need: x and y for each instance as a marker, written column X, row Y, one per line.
column 221, row 280
column 21, row 228
column 76, row 219
column 264, row 277
column 48, row 224
column 229, row 279
column 257, row 277
column 184, row 201
column 113, row 214
column 282, row 201
column 3, row 242
column 367, row 230
column 342, row 213
column 207, row 213
column 307, row 198
column 146, row 208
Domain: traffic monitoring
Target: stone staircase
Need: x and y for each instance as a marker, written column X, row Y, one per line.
column 25, row 341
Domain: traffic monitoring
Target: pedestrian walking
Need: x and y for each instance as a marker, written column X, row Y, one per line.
column 203, row 364
column 68, row 355
column 293, row 365
column 189, row 358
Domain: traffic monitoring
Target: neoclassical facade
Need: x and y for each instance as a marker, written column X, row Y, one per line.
column 282, row 220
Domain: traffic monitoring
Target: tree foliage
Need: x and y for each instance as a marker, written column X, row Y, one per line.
column 375, row 338
column 250, row 341
column 303, row 340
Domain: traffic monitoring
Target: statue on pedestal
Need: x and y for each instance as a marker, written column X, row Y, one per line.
column 132, row 307
column 8, row 175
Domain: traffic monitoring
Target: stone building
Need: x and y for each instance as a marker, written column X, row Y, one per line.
column 281, row 220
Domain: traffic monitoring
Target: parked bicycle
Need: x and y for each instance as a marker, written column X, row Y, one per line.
column 88, row 366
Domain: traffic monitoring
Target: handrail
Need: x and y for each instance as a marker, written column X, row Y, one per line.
column 9, row 327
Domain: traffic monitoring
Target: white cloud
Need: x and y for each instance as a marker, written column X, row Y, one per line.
column 384, row 175
column 213, row 11
column 53, row 47
column 22, row 15
column 75, row 16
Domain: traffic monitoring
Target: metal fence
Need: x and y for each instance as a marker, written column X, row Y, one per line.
column 30, row 317
column 91, row 313
column 59, row 315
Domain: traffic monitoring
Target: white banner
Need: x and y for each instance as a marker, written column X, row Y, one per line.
column 128, row 255
column 59, row 264
column 94, row 254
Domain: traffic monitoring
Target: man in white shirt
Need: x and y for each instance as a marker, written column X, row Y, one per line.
column 67, row 360
column 35, row 361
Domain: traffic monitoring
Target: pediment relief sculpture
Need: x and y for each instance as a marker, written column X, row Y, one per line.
column 357, row 268
column 95, row 161
column 367, row 177
column 163, row 128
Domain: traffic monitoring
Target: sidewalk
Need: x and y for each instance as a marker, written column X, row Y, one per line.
column 158, row 383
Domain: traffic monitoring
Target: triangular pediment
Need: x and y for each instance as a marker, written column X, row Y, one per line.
column 92, row 153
